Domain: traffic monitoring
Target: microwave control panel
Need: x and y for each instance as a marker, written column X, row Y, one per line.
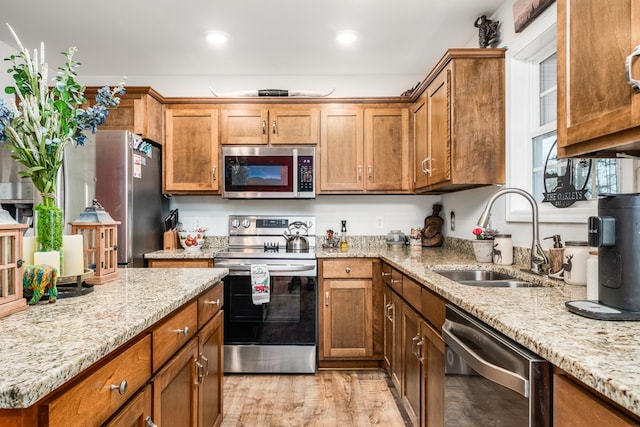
column 305, row 173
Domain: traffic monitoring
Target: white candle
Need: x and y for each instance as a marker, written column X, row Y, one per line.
column 29, row 245
column 72, row 256
column 51, row 258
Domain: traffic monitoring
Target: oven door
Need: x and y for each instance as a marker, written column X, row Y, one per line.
column 278, row 336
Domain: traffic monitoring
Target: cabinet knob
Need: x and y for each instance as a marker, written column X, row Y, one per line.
column 635, row 84
column 149, row 422
column 122, row 388
column 348, row 269
column 184, row 331
column 213, row 302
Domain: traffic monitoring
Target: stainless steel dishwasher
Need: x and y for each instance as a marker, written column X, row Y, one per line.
column 491, row 380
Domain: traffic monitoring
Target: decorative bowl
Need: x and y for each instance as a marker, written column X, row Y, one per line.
column 191, row 241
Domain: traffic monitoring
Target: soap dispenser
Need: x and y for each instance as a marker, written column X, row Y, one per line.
column 343, row 236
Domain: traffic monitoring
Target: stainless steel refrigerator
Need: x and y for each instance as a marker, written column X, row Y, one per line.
column 124, row 173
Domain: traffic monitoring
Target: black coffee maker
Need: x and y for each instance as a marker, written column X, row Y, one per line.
column 616, row 233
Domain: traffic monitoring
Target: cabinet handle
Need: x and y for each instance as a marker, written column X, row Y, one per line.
column 122, row 388
column 264, row 127
column 359, row 173
column 326, row 299
column 396, row 281
column 184, row 331
column 206, row 365
column 425, row 169
column 635, row 84
column 149, row 422
column 370, row 171
column 214, row 169
column 348, row 269
column 414, row 346
column 199, row 376
column 273, row 127
column 385, row 274
column 389, row 308
column 419, row 353
column 213, row 302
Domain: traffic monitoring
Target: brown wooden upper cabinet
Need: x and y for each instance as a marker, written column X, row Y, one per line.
column 459, row 122
column 364, row 150
column 139, row 111
column 261, row 125
column 191, row 151
column 598, row 108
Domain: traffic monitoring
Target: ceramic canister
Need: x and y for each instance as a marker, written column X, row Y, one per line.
column 503, row 249
column 575, row 262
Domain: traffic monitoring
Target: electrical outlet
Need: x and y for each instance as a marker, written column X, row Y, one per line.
column 452, row 223
column 379, row 222
column 196, row 222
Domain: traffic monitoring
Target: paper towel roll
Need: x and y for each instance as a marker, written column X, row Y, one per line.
column 51, row 258
column 72, row 256
column 29, row 245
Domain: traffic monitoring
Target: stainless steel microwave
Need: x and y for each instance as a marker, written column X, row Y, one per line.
column 268, row 172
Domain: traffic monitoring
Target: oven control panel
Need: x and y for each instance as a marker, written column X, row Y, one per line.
column 270, row 225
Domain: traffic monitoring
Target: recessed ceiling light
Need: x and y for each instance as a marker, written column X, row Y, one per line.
column 347, row 37
column 218, row 37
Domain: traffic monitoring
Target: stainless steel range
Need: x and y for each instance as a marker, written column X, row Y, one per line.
column 279, row 336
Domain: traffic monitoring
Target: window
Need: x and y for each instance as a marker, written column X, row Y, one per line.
column 531, row 152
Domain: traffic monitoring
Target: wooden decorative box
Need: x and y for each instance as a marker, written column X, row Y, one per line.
column 11, row 300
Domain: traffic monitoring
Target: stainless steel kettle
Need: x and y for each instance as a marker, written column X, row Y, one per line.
column 296, row 242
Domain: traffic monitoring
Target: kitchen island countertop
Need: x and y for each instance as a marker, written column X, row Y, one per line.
column 601, row 354
column 46, row 345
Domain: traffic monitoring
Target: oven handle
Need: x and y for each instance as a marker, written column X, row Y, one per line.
column 278, row 268
column 499, row 375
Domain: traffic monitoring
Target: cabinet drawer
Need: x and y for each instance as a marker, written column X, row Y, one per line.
column 210, row 303
column 351, row 268
column 180, row 263
column 411, row 292
column 92, row 400
column 173, row 333
column 433, row 308
column 392, row 278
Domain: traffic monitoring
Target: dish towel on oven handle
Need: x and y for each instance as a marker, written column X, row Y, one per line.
column 260, row 284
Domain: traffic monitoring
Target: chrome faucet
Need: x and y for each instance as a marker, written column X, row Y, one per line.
column 539, row 262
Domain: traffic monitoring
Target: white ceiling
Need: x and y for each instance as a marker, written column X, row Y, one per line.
column 269, row 38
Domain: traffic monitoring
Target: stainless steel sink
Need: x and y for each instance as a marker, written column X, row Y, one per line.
column 485, row 278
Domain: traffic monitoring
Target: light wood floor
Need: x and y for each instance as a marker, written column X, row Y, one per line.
column 331, row 398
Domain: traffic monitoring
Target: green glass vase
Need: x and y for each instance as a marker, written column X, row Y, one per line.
column 48, row 225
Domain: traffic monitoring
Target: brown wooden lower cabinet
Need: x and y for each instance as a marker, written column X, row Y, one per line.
column 350, row 313
column 575, row 405
column 136, row 413
column 414, row 348
column 210, row 390
column 174, row 396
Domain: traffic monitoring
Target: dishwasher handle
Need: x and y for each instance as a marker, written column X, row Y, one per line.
column 492, row 372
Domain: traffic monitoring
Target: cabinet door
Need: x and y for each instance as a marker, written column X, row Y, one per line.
column 191, row 151
column 174, row 389
column 294, row 126
column 438, row 166
column 420, row 142
column 396, row 358
column 388, row 328
column 597, row 108
column 136, row 413
column 386, row 139
column 211, row 380
column 341, row 150
column 433, row 386
column 244, row 126
column 347, row 317
column 412, row 366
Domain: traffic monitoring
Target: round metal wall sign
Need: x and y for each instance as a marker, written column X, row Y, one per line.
column 564, row 190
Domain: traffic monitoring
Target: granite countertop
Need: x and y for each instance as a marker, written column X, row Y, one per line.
column 601, row 354
column 46, row 345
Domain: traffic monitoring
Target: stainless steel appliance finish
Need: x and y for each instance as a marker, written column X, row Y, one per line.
column 126, row 181
column 279, row 336
column 268, row 172
column 491, row 380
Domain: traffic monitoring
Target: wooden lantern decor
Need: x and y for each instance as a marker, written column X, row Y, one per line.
column 100, row 242
column 11, row 300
